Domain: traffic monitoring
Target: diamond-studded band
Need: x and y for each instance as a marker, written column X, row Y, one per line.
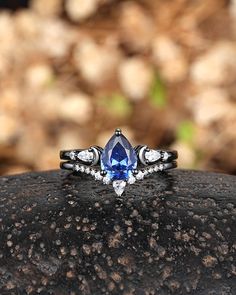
column 75, row 166
column 100, row 175
column 118, row 162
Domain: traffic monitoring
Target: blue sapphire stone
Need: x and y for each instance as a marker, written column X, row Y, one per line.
column 118, row 158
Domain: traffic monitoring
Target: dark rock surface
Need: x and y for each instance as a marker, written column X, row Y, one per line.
column 172, row 233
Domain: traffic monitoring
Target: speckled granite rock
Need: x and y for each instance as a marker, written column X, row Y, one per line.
column 173, row 233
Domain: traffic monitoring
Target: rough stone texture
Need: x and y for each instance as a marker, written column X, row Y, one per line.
column 172, row 233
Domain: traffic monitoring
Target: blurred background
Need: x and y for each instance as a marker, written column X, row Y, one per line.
column 162, row 70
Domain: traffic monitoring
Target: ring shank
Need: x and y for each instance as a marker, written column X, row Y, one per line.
column 67, row 165
column 165, row 159
column 70, row 165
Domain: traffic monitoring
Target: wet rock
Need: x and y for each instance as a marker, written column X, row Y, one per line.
column 66, row 232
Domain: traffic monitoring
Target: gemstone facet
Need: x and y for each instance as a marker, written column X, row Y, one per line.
column 72, row 155
column 85, row 155
column 152, row 155
column 119, row 186
column 118, row 159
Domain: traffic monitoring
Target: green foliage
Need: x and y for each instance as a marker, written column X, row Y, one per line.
column 117, row 104
column 158, row 95
column 186, row 131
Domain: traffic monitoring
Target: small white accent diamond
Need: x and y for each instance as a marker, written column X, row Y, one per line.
column 72, row 155
column 119, row 186
column 106, row 179
column 140, row 175
column 81, row 168
column 86, row 156
column 87, row 170
column 152, row 155
column 98, row 176
column 145, row 172
column 92, row 172
column 150, row 170
column 76, row 167
column 156, row 168
column 161, row 167
column 165, row 156
column 131, row 179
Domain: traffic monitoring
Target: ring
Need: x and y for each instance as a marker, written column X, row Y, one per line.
column 118, row 162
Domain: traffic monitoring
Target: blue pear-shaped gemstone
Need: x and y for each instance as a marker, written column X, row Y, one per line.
column 118, row 158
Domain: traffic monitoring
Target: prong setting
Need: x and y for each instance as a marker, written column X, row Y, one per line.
column 135, row 172
column 118, row 132
column 103, row 172
column 96, row 153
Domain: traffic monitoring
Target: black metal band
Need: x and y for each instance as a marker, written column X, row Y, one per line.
column 71, row 165
column 66, row 154
column 68, row 165
column 90, row 157
column 163, row 156
column 170, row 165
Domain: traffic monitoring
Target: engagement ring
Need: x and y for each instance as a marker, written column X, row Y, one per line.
column 118, row 162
